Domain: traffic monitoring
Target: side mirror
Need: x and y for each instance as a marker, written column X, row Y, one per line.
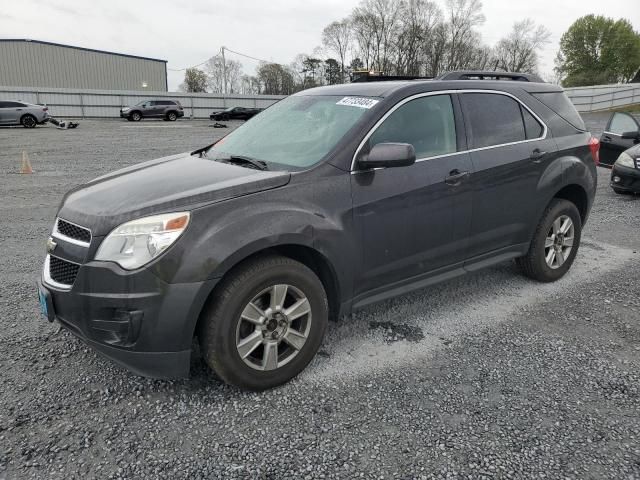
column 635, row 135
column 389, row 155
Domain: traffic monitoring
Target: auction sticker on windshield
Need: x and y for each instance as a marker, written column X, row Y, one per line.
column 360, row 102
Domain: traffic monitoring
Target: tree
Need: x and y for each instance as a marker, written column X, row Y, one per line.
column 216, row 71
column 418, row 18
column 195, row 81
column 518, row 52
column 378, row 19
column 332, row 71
column 462, row 16
column 311, row 71
column 275, row 79
column 596, row 50
column 336, row 37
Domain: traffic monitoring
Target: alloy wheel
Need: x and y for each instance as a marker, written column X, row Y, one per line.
column 29, row 121
column 559, row 242
column 273, row 327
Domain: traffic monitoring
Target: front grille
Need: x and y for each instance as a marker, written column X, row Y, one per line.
column 73, row 231
column 637, row 162
column 62, row 271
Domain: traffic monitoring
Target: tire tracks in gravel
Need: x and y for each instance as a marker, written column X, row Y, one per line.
column 443, row 313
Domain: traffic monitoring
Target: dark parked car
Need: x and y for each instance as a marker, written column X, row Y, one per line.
column 169, row 110
column 625, row 175
column 622, row 132
column 330, row 200
column 20, row 113
column 235, row 113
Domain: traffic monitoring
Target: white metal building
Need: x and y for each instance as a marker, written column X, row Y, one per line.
column 33, row 63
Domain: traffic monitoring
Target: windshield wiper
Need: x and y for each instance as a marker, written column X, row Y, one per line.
column 243, row 160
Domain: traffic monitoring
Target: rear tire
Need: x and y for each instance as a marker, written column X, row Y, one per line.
column 28, row 121
column 555, row 243
column 265, row 323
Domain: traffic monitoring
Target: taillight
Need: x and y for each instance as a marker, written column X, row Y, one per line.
column 45, row 109
column 594, row 147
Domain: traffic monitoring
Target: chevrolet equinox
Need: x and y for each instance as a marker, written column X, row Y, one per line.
column 329, row 200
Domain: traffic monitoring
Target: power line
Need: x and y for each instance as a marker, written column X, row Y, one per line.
column 228, row 50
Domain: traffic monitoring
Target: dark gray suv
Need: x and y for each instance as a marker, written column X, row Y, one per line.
column 330, row 200
column 169, row 110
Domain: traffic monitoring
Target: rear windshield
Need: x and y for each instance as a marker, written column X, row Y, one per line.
column 560, row 104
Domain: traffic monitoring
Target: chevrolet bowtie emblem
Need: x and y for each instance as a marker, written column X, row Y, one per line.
column 51, row 245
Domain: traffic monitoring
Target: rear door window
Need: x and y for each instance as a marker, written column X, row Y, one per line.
column 427, row 123
column 622, row 122
column 493, row 119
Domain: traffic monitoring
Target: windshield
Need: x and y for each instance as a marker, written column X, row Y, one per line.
column 296, row 132
column 141, row 103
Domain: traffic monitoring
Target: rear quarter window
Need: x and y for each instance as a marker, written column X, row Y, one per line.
column 562, row 106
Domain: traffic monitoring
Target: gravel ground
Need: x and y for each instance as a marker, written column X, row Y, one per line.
column 487, row 376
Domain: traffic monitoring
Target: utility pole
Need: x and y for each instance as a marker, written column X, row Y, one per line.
column 224, row 71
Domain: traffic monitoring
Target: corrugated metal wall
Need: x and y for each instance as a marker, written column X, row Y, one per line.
column 67, row 103
column 37, row 64
column 603, row 97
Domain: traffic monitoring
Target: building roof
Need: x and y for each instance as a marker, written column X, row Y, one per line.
column 27, row 40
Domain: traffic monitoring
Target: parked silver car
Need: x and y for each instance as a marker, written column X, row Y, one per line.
column 20, row 113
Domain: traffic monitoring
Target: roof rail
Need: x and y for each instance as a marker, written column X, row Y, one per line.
column 387, row 78
column 489, row 75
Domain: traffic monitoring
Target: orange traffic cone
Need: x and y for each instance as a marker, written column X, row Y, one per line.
column 26, row 164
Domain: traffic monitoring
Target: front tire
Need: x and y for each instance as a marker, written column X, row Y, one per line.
column 555, row 243
column 265, row 323
column 28, row 121
column 172, row 117
column 135, row 116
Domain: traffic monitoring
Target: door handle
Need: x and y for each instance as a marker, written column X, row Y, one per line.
column 606, row 139
column 536, row 155
column 455, row 177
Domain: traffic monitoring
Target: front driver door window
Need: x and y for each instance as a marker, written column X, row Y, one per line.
column 412, row 222
column 611, row 143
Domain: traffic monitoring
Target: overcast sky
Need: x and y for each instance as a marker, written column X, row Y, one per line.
column 187, row 33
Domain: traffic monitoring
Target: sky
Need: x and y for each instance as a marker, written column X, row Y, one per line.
column 188, row 33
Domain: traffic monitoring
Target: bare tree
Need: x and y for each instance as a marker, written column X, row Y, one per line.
column 336, row 37
column 418, row 19
column 361, row 26
column 380, row 20
column 462, row 16
column 518, row 52
column 215, row 71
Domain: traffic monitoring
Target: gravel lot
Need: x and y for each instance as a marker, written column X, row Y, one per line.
column 488, row 376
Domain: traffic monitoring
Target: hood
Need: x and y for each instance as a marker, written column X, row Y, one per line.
column 179, row 182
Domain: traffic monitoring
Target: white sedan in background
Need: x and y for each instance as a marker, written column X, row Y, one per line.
column 20, row 113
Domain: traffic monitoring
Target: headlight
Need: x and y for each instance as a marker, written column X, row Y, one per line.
column 126, row 109
column 136, row 243
column 625, row 160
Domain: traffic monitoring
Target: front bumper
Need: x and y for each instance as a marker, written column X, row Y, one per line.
column 133, row 318
column 124, row 114
column 625, row 178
